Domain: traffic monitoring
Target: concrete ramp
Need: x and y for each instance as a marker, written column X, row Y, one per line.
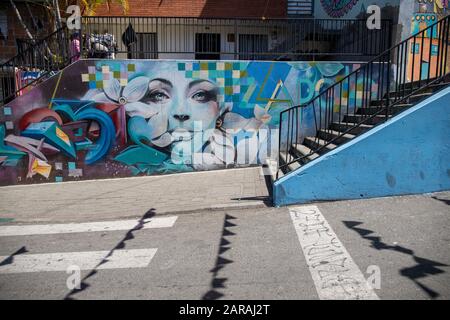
column 409, row 154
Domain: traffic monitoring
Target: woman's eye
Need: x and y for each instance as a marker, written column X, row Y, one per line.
column 158, row 97
column 202, row 96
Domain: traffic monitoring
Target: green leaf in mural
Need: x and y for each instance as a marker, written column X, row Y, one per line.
column 137, row 154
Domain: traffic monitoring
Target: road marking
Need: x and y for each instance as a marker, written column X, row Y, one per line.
column 119, row 259
column 27, row 230
column 335, row 274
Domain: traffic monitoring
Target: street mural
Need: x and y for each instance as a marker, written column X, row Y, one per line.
column 355, row 9
column 424, row 53
column 117, row 118
column 338, row 8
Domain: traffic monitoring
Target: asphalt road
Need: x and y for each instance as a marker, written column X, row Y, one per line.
column 252, row 253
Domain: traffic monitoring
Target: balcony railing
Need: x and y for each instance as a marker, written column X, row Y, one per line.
column 234, row 39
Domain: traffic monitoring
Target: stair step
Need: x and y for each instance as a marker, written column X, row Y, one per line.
column 415, row 98
column 301, row 150
column 327, row 134
column 392, row 110
column 415, row 83
column 315, row 143
column 432, row 88
column 284, row 159
column 438, row 86
column 360, row 117
column 271, row 166
column 355, row 131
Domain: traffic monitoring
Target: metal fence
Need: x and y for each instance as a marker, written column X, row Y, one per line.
column 234, row 39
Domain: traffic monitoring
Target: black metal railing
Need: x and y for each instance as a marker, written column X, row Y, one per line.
column 390, row 79
column 238, row 39
column 42, row 58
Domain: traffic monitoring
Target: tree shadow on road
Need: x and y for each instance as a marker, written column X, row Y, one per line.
column 422, row 269
column 120, row 245
column 218, row 283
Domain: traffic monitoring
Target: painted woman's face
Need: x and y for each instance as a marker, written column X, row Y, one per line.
column 188, row 105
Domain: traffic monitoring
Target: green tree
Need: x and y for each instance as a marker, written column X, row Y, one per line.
column 89, row 6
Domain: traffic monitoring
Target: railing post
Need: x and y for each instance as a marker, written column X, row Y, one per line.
column 236, row 41
column 389, row 74
column 314, row 39
column 157, row 38
column 390, row 35
column 279, row 144
column 82, row 43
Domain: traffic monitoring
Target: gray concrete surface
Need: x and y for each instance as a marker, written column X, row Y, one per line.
column 408, row 238
column 129, row 197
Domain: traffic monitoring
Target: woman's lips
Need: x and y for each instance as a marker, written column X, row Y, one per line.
column 181, row 134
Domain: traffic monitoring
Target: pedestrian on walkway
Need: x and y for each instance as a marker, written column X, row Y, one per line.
column 74, row 47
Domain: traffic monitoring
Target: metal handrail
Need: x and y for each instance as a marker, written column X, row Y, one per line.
column 46, row 55
column 397, row 85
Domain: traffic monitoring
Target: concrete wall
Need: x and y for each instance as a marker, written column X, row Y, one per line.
column 116, row 118
column 408, row 154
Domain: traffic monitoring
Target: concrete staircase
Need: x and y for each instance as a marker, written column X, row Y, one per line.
column 341, row 132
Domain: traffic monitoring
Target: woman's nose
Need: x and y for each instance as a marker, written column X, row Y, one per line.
column 181, row 117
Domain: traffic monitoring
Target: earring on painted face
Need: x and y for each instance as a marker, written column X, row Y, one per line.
column 219, row 123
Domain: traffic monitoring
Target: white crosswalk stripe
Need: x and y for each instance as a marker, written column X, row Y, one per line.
column 119, row 259
column 27, row 230
column 84, row 260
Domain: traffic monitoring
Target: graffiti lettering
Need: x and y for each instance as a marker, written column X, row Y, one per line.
column 335, row 274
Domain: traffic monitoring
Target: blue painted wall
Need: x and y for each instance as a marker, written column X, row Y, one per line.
column 408, row 154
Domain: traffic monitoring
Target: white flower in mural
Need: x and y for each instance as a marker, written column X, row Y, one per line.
column 129, row 96
column 236, row 122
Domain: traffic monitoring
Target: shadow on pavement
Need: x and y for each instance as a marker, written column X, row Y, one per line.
column 446, row 201
column 218, row 283
column 422, row 269
column 267, row 200
column 10, row 259
column 120, row 245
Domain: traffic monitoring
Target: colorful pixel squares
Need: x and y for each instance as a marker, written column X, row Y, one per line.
column 231, row 77
column 98, row 78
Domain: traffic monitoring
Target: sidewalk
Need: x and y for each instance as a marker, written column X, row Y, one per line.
column 132, row 197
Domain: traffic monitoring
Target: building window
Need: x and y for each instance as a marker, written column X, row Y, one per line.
column 145, row 47
column 207, row 46
column 300, row 7
column 252, row 44
column 434, row 50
